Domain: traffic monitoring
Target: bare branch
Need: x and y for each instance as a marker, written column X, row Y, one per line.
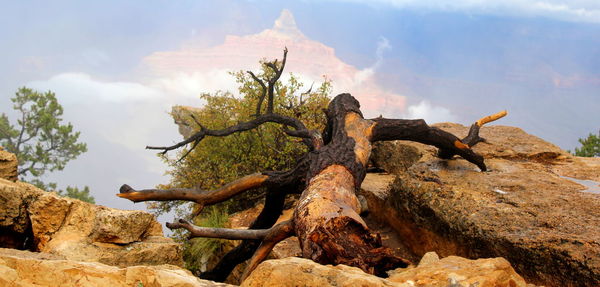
column 491, row 118
column 198, row 136
column 448, row 144
column 473, row 137
column 271, row 211
column 213, row 232
column 315, row 137
column 261, row 98
column 196, row 121
column 23, row 123
column 203, row 198
column 275, row 235
column 306, row 93
column 419, row 131
column 274, row 79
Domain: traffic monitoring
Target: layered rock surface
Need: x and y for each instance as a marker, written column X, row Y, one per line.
column 450, row 271
column 36, row 220
column 8, row 165
column 529, row 207
column 25, row 269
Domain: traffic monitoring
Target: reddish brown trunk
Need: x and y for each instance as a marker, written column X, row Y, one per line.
column 330, row 229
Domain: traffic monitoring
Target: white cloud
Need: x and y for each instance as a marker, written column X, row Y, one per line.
column 567, row 10
column 366, row 74
column 80, row 87
column 191, row 85
column 128, row 114
column 431, row 114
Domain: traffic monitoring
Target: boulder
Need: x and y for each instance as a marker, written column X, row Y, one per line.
column 459, row 271
column 294, row 271
column 450, row 271
column 24, row 269
column 537, row 206
column 8, row 165
column 182, row 117
column 33, row 219
column 15, row 225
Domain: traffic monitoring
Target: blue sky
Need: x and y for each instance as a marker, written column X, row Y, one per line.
column 443, row 60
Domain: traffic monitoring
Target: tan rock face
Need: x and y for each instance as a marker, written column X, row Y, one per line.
column 528, row 208
column 15, row 225
column 25, row 269
column 81, row 231
column 293, row 271
column 459, row 271
column 8, row 165
column 120, row 226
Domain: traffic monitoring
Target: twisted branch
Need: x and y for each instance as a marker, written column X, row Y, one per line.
column 272, row 118
column 202, row 198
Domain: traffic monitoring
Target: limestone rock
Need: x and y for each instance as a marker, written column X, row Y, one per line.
column 531, row 207
column 293, row 271
column 394, row 157
column 459, row 271
column 79, row 230
column 25, row 269
column 15, row 225
column 428, row 258
column 120, row 226
column 8, row 165
column 182, row 117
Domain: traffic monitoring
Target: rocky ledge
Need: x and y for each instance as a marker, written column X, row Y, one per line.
column 8, row 165
column 37, row 220
column 537, row 206
column 431, row 272
column 25, row 269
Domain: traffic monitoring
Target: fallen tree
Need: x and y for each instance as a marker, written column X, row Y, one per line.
column 326, row 218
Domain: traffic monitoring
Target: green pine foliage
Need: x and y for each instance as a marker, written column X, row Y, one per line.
column 590, row 146
column 40, row 140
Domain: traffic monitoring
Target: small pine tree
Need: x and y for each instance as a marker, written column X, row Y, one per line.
column 590, row 146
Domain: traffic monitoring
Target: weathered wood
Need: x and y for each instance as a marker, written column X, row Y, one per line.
column 331, row 230
column 274, row 202
column 276, row 234
column 326, row 219
column 198, row 196
column 224, row 233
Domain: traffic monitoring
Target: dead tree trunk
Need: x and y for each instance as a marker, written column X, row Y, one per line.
column 326, row 219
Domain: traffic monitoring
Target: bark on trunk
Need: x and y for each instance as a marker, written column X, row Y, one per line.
column 326, row 219
column 330, row 229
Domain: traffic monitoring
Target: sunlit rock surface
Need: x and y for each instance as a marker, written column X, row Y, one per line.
column 450, row 271
column 8, row 165
column 528, row 208
column 36, row 220
column 28, row 269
